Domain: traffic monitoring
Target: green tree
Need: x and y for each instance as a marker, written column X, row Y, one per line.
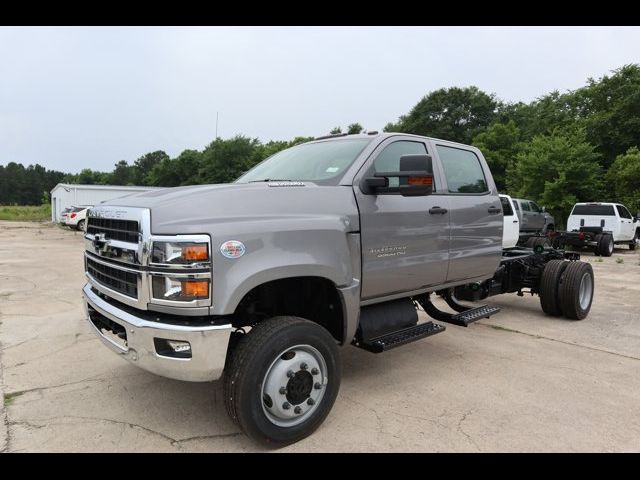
column 499, row 144
column 123, row 174
column 144, row 165
column 455, row 113
column 354, row 128
column 610, row 107
column 335, row 130
column 623, row 179
column 557, row 171
column 225, row 160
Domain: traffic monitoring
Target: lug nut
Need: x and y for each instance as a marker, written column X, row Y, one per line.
column 286, row 405
column 303, row 366
column 311, row 401
column 283, row 391
column 290, row 373
column 317, row 386
column 315, row 371
column 297, row 410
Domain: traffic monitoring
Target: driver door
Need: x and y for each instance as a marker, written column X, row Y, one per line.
column 405, row 240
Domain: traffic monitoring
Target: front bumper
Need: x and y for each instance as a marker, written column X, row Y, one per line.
column 139, row 346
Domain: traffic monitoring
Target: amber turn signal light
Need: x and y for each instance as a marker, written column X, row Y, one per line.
column 195, row 252
column 196, row 289
column 420, row 181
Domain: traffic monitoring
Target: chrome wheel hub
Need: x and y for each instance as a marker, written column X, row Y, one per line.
column 586, row 291
column 294, row 385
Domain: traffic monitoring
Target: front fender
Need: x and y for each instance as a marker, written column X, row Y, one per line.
column 278, row 255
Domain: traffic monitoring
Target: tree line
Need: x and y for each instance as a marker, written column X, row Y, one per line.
column 581, row 145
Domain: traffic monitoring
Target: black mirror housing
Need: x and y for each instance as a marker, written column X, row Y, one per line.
column 415, row 178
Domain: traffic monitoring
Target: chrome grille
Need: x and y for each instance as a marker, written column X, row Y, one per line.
column 115, row 229
column 121, row 281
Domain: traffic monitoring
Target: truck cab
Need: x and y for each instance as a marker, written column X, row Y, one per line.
column 613, row 219
column 533, row 219
column 326, row 244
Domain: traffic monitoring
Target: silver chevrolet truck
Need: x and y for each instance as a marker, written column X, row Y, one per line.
column 331, row 243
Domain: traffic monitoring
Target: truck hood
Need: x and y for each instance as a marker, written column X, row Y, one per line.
column 184, row 210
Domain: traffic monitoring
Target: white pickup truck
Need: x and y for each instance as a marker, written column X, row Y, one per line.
column 601, row 226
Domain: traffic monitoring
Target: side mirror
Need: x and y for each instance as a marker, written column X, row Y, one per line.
column 543, row 209
column 415, row 178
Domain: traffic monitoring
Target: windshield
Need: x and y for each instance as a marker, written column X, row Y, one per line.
column 600, row 210
column 312, row 162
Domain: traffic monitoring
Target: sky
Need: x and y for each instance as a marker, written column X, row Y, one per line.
column 76, row 97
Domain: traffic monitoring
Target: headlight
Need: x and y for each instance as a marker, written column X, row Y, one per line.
column 180, row 269
column 179, row 253
column 180, row 289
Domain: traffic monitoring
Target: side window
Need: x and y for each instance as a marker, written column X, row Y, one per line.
column 624, row 213
column 535, row 207
column 463, row 170
column 517, row 205
column 388, row 159
column 506, row 207
column 525, row 207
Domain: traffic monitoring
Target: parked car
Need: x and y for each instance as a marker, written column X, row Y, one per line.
column 511, row 231
column 532, row 217
column 65, row 215
column 77, row 217
column 601, row 225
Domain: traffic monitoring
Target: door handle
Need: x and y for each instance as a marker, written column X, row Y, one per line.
column 515, row 221
column 493, row 210
column 437, row 210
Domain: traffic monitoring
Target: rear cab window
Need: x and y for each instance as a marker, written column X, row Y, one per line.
column 506, row 207
column 462, row 170
column 623, row 212
column 599, row 210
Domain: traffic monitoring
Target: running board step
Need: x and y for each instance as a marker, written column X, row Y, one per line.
column 401, row 337
column 463, row 319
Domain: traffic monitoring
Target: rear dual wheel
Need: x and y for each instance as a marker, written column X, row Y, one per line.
column 605, row 244
column 566, row 288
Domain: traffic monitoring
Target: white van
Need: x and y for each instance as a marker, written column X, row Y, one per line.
column 511, row 231
column 612, row 218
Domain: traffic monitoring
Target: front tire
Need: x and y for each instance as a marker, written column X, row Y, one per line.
column 576, row 290
column 281, row 380
column 80, row 226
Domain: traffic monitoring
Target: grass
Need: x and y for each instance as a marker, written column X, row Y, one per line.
column 25, row 213
column 619, row 260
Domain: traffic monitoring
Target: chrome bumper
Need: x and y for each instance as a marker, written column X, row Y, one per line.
column 208, row 343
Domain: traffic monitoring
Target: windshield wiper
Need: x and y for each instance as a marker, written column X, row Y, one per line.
column 274, row 180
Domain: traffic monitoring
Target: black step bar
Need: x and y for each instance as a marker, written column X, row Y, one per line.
column 465, row 315
column 400, row 337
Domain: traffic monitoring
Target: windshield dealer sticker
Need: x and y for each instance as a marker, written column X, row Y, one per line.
column 232, row 249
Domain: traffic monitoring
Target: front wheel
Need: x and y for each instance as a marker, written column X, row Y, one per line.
column 281, row 380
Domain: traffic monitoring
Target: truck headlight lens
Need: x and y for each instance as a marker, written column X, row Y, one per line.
column 179, row 253
column 179, row 289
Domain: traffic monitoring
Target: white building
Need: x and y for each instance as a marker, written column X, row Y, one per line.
column 65, row 195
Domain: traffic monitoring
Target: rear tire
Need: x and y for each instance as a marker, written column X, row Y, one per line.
column 273, row 349
column 634, row 241
column 605, row 245
column 549, row 287
column 576, row 290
